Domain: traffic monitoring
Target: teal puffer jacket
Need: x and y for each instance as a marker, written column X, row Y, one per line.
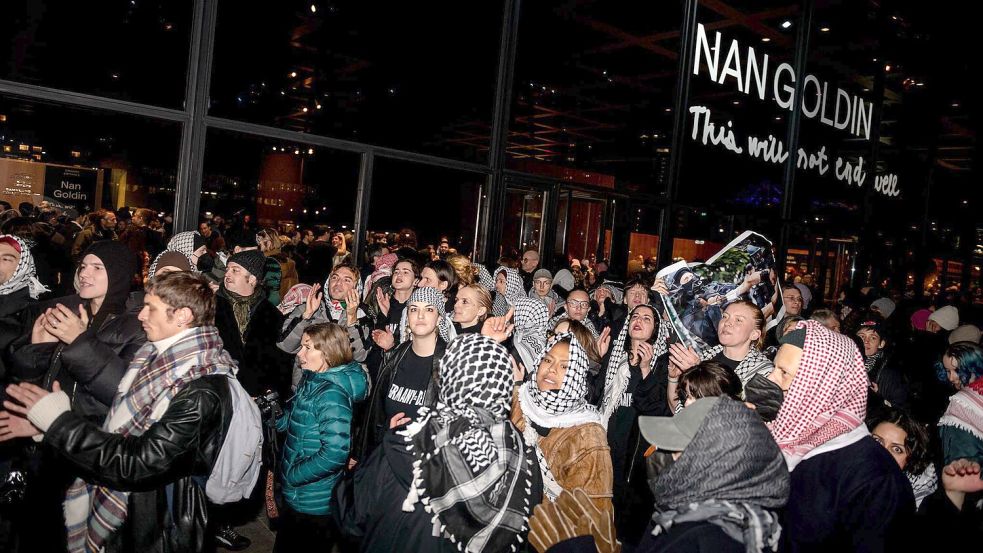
column 318, row 425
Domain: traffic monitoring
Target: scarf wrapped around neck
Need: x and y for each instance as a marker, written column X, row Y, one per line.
column 749, row 479
column 965, row 410
column 471, row 468
column 753, row 363
column 242, row 307
column 617, row 375
column 92, row 512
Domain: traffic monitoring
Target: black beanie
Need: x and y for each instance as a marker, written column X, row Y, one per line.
column 121, row 266
column 252, row 261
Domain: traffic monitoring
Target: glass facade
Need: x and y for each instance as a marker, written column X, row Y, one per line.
column 629, row 132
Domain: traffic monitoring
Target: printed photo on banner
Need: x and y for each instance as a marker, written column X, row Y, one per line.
column 700, row 292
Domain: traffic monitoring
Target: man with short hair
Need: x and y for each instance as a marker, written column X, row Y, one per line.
column 527, row 268
column 137, row 489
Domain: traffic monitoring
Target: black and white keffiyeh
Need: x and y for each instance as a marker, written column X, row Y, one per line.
column 551, row 300
column 617, row 375
column 753, row 363
column 529, row 335
column 471, row 468
column 617, row 295
column 153, row 266
column 513, row 290
column 432, row 297
column 567, row 406
column 484, row 277
column 25, row 274
column 183, row 242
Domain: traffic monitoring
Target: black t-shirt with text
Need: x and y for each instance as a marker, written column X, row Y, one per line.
column 409, row 387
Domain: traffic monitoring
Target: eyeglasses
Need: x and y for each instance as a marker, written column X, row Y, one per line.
column 578, row 304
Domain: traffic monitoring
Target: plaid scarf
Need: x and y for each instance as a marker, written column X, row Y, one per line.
column 617, row 375
column 828, row 396
column 472, row 470
column 514, row 290
column 25, row 275
column 529, row 335
column 93, row 513
column 753, row 363
column 750, row 479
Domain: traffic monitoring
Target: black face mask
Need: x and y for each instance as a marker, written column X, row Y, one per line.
column 205, row 263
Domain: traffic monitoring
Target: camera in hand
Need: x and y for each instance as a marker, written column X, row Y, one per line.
column 269, row 405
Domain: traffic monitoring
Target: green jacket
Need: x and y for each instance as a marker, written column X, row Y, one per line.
column 318, row 425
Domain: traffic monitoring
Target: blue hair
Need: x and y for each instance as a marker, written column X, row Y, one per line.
column 969, row 362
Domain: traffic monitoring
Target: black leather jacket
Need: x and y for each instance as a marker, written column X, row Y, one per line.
column 158, row 467
column 376, row 424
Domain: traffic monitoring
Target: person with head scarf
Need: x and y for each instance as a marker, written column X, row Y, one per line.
column 846, row 491
column 193, row 246
column 384, row 265
column 632, row 382
column 472, row 470
column 508, row 288
column 552, row 411
column 408, row 377
column 607, row 309
column 19, row 289
column 735, row 509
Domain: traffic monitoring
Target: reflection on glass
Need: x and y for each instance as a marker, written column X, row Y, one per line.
column 523, row 221
column 133, row 50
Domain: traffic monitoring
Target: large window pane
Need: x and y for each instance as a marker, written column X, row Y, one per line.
column 130, row 49
column 433, row 202
column 416, row 76
column 278, row 184
column 85, row 160
column 593, row 92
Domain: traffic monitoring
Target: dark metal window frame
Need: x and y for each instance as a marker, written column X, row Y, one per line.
column 195, row 124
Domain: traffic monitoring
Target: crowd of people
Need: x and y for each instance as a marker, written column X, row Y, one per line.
column 416, row 400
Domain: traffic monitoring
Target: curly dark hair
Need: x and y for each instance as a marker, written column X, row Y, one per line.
column 916, row 437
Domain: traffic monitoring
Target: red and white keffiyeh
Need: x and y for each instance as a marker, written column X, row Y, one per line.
column 828, row 396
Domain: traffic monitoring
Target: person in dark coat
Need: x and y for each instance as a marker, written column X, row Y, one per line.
column 136, row 489
column 250, row 326
column 887, row 381
column 19, row 289
column 847, row 492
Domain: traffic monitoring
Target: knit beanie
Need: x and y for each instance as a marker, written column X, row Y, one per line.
column 965, row 333
column 250, row 260
column 885, row 306
column 542, row 273
column 947, row 317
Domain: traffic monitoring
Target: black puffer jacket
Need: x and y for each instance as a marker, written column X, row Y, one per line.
column 13, row 319
column 166, row 510
column 89, row 369
column 376, row 424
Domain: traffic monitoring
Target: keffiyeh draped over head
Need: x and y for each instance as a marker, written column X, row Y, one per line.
column 617, row 375
column 432, row 297
column 472, row 469
column 184, row 242
column 529, row 335
column 750, row 479
column 617, row 295
column 828, row 396
column 513, row 290
column 296, row 295
column 25, row 274
column 567, row 406
column 484, row 277
column 153, row 266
